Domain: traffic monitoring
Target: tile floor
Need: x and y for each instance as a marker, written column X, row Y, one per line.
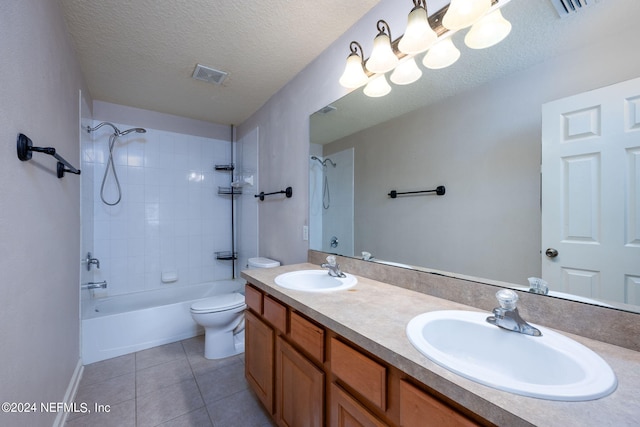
column 170, row 385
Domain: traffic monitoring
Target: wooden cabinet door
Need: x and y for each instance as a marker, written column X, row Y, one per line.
column 347, row 412
column 299, row 389
column 259, row 342
column 418, row 409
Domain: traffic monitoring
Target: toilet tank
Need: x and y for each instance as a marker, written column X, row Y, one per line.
column 261, row 262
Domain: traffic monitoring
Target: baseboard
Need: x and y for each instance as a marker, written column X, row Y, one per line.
column 70, row 394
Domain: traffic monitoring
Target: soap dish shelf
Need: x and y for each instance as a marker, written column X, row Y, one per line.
column 230, row 190
column 226, row 255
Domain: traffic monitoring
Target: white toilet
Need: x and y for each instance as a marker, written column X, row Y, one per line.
column 222, row 317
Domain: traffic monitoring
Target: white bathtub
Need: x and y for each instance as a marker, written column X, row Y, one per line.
column 128, row 323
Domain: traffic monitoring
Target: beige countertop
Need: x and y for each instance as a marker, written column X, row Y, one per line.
column 374, row 315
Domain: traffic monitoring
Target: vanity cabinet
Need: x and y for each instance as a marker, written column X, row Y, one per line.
column 259, row 358
column 299, row 388
column 419, row 409
column 305, row 374
column 346, row 411
column 283, row 361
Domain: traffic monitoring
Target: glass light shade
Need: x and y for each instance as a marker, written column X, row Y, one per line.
column 382, row 58
column 377, row 87
column 353, row 76
column 441, row 55
column 463, row 13
column 406, row 72
column 419, row 35
column 488, row 31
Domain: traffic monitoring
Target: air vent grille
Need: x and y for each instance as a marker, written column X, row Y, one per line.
column 209, row 75
column 570, row 7
column 326, row 110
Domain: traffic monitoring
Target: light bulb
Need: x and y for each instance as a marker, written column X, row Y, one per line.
column 463, row 13
column 488, row 31
column 406, row 73
column 377, row 87
column 441, row 55
column 419, row 36
column 382, row 58
column 353, row 76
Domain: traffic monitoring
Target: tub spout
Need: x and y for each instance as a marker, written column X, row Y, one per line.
column 94, row 285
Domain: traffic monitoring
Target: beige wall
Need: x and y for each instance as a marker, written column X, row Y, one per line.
column 40, row 214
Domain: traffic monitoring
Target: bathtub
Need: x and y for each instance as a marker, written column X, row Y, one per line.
column 128, row 323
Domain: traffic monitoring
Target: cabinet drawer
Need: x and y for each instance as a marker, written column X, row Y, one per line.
column 347, row 412
column 275, row 313
column 418, row 409
column 308, row 336
column 253, row 299
column 364, row 375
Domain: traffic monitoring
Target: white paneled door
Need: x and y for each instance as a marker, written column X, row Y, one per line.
column 591, row 193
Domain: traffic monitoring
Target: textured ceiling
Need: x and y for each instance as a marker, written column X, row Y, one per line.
column 142, row 53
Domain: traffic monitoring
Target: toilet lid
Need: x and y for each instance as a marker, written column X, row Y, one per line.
column 261, row 262
column 220, row 302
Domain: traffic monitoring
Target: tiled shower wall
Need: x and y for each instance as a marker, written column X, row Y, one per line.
column 171, row 217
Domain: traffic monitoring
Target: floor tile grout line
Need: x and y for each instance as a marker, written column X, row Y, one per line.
column 197, row 384
column 135, row 389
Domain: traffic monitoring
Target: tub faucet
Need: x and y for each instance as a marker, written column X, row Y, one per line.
column 507, row 317
column 95, row 285
column 334, row 267
column 89, row 260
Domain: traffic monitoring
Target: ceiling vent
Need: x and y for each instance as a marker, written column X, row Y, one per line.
column 570, row 7
column 326, row 110
column 209, row 75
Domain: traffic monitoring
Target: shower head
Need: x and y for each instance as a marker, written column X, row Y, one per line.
column 136, row 130
column 323, row 162
column 116, row 131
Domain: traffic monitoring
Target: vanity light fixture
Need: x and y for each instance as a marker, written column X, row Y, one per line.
column 377, row 86
column 419, row 36
column 441, row 55
column 423, row 33
column 383, row 58
column 463, row 13
column 488, row 31
column 406, row 72
column 354, row 76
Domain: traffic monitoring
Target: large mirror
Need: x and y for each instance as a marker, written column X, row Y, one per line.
column 474, row 128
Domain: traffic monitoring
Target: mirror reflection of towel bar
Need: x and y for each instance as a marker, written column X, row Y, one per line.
column 440, row 190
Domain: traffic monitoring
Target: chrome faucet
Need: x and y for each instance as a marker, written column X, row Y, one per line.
column 538, row 286
column 334, row 267
column 507, row 317
column 89, row 260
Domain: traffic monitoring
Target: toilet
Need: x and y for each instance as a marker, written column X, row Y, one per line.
column 222, row 317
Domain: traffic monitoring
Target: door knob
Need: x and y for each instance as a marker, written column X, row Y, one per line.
column 551, row 253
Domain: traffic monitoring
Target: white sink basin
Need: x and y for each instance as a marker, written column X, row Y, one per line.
column 315, row 281
column 551, row 366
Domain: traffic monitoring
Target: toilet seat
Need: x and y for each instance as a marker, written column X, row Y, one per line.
column 218, row 303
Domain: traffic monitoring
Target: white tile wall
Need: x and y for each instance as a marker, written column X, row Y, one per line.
column 170, row 218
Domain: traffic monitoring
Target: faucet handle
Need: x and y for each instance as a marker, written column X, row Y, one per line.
column 507, row 299
column 331, row 260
